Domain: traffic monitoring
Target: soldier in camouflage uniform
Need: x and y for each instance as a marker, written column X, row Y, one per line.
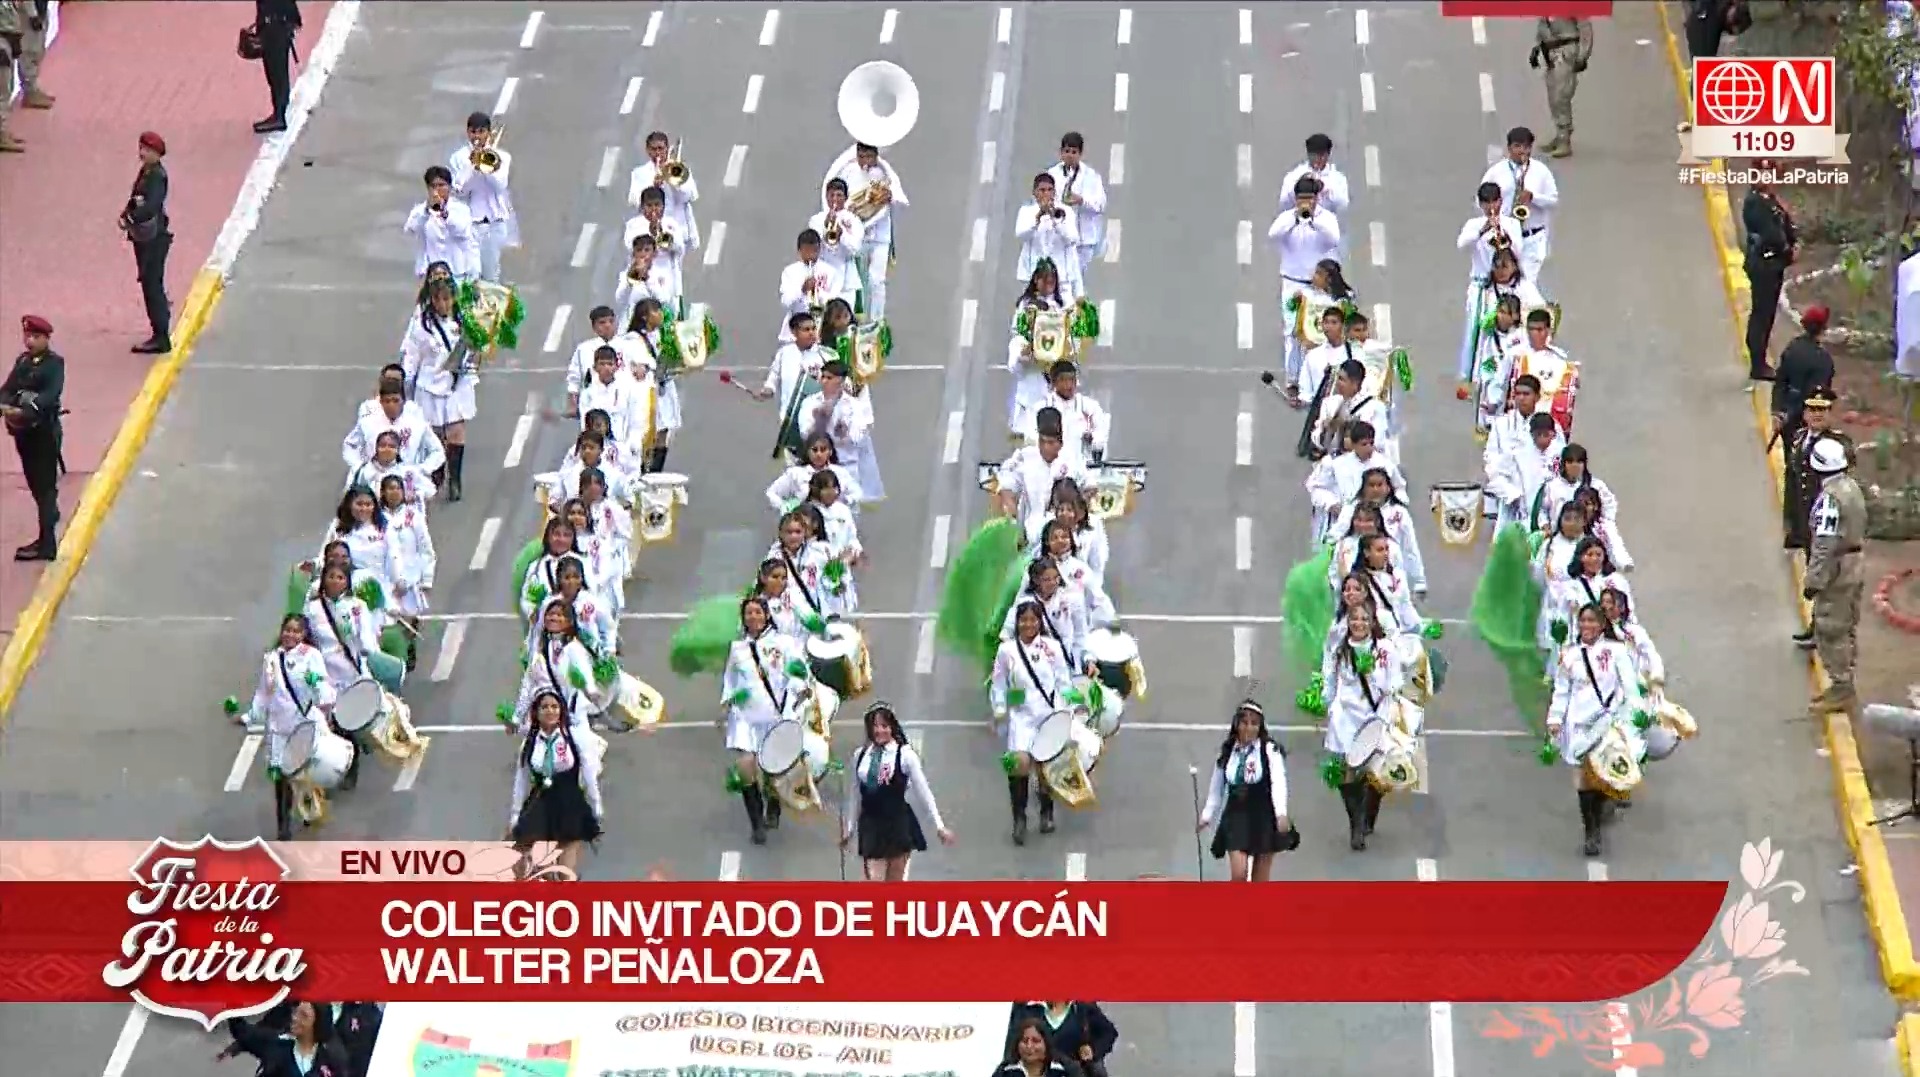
column 13, row 29
column 1562, row 47
column 1836, row 573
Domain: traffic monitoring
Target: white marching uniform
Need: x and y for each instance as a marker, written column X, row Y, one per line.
column 1335, row 481
column 374, row 550
column 843, row 250
column 1302, row 245
column 1064, row 620
column 1077, row 576
column 448, row 237
column 1401, row 537
column 1030, row 478
column 1085, row 426
column 808, row 587
column 756, row 689
column 1559, row 491
column 1516, row 469
column 1038, row 670
column 1354, row 700
column 1497, row 348
column 1090, row 215
column 628, row 404
column 1481, row 271
column 1346, row 555
column 1091, row 543
column 554, row 664
column 489, row 202
column 419, row 445
column 414, row 480
column 293, row 686
column 789, row 370
column 439, row 369
column 1029, row 378
column 1647, row 661
column 413, row 559
column 830, row 283
column 1333, row 186
column 680, row 199
column 854, row 448
column 580, row 363
column 667, row 416
column 1043, row 236
column 599, row 628
column 1567, row 595
column 659, row 284
column 876, row 239
column 346, row 659
column 607, row 550
column 543, row 578
column 790, row 488
column 1534, row 176
column 1595, row 687
column 669, row 253
column 565, row 485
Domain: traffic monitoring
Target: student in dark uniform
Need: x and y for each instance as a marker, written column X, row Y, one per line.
column 144, row 220
column 306, row 1049
column 1078, row 1034
column 1248, row 797
column 1709, row 20
column 1770, row 246
column 30, row 410
column 886, row 772
column 276, row 22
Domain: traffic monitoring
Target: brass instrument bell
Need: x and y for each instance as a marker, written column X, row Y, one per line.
column 486, row 159
column 662, row 239
column 1521, row 212
column 831, row 233
column 675, row 171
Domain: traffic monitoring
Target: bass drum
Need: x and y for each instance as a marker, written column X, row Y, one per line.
column 318, row 755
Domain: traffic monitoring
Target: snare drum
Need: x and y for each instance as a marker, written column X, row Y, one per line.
column 818, row 707
column 318, row 754
column 660, row 496
column 1116, row 656
column 1614, row 764
column 1105, row 720
column 360, row 707
column 634, row 703
column 795, row 759
column 1066, row 752
column 836, row 659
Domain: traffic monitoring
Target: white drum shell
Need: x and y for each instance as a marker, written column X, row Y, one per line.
column 360, row 706
column 1107, row 646
column 1050, row 741
column 319, row 755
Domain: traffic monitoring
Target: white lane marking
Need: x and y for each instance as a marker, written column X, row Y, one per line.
column 505, row 100
column 1494, row 152
column 716, row 241
column 489, row 533
column 1246, row 93
column 1243, row 439
column 889, row 21
column 1243, row 243
column 533, row 28
column 769, row 27
column 1486, row 92
column 736, row 163
column 558, row 328
column 730, row 866
column 1246, row 35
column 1243, row 650
column 1076, row 867
column 942, row 536
column 1368, row 103
column 1439, row 1014
column 1212, row 728
column 1243, row 543
column 403, row 782
column 989, row 152
column 628, row 99
column 997, row 94
column 130, row 1032
column 243, row 762
column 752, row 103
column 977, row 247
column 950, row 450
column 1422, row 785
column 969, row 319
column 1243, row 325
column 1377, row 242
column 1479, row 29
column 1116, row 173
column 1382, row 322
column 1123, row 35
column 923, row 651
column 1112, row 253
column 583, row 246
column 1243, row 1039
column 653, row 31
column 1619, row 1018
column 609, row 160
column 449, row 654
column 1243, row 164
column 1003, row 32
column 1120, row 91
column 1372, row 155
column 522, row 430
column 1106, row 324
column 1362, row 33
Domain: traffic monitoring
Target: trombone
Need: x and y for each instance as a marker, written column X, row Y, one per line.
column 675, row 171
column 662, row 239
column 1498, row 240
column 486, row 159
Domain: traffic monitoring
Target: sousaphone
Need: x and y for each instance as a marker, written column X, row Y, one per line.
column 863, row 93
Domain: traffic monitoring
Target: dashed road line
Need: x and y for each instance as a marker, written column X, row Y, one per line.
column 736, row 163
column 1439, row 1014
column 1243, row 326
column 1362, row 33
column 1117, row 164
column 1243, row 651
column 1111, row 254
column 730, row 866
column 1243, row 243
column 609, row 162
column 1003, row 29
column 1106, row 324
column 1123, row 34
column 977, row 245
column 997, row 93
column 1246, row 93
column 716, row 242
column 483, row 549
column 653, row 30
column 989, row 152
column 923, row 650
column 1372, row 162
column 752, row 103
column 969, row 322
column 889, row 21
column 1369, row 102
column 942, row 538
column 1246, row 26
column 1486, row 92
column 956, row 424
column 1243, row 433
column 505, row 100
column 769, row 28
column 1243, row 544
column 632, row 95
column 557, row 329
column 533, row 28
column 1479, row 29
column 449, row 655
column 243, row 762
column 1377, row 242
column 1120, row 91
column 1243, row 164
column 583, row 247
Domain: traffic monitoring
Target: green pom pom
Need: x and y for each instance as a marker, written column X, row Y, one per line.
column 1548, row 754
column 814, row 623
column 1333, row 771
column 577, row 677
column 1023, row 323
column 1074, row 696
column 736, row 782
column 792, row 503
column 1363, row 661
column 1293, row 303
column 1009, row 763
column 537, row 595
column 230, row 705
column 796, row 668
column 1558, row 631
column 836, row 571
column 503, row 713
column 1016, row 697
column 740, row 698
column 1433, row 629
column 1642, row 720
column 274, row 774
column 605, row 669
column 1313, row 699
column 508, row 337
column 1402, row 368
column 312, row 679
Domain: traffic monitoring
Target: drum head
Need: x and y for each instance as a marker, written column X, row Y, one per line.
column 782, row 748
column 300, row 746
column 1366, row 743
column 359, row 704
column 840, row 641
column 1053, row 736
column 1107, row 646
column 1661, row 742
column 664, row 478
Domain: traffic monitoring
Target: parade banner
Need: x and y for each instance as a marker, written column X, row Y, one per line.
column 208, row 930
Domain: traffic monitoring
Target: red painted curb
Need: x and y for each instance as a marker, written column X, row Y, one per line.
column 1883, row 602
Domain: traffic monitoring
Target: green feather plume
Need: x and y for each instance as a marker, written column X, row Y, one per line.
column 1489, row 366
column 1548, row 753
column 736, row 782
column 1016, row 698
column 516, row 311
column 814, row 624
column 503, row 713
column 971, row 610
column 1023, row 322
column 230, row 706
column 470, row 331
column 1506, row 611
column 577, row 677
column 1363, row 662
column 1009, row 763
column 1085, row 322
column 1313, row 698
column 796, row 668
column 537, row 595
column 886, row 339
column 1333, row 771
column 1306, row 609
column 703, row 641
column 1433, row 629
column 605, row 669
column 712, row 332
column 740, row 697
column 671, row 357
column 299, row 587
column 371, row 593
column 1402, row 367
column 522, row 562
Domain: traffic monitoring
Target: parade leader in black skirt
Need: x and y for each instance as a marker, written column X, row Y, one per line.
column 886, row 772
column 1248, row 797
column 556, row 786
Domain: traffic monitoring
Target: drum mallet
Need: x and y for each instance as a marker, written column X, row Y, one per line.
column 840, row 822
column 1193, row 778
column 1267, row 379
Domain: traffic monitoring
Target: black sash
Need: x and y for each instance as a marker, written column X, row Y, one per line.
column 560, row 687
column 1046, row 621
column 779, row 702
column 1031, row 674
column 1606, row 701
column 793, row 573
column 326, row 607
column 1588, row 588
column 286, row 678
column 1366, row 686
column 1307, row 447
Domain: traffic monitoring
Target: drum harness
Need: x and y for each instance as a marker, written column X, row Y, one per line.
column 326, row 606
column 560, row 687
column 1032, row 674
column 793, row 573
column 779, row 702
column 286, row 678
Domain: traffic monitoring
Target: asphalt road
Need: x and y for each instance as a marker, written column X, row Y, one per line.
column 238, row 480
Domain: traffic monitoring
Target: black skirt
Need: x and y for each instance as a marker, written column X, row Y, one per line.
column 1247, row 825
column 558, row 813
column 888, row 826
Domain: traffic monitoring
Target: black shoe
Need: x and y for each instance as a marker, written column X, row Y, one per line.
column 1352, row 795
column 772, row 811
column 269, row 125
column 34, row 551
column 756, row 817
column 153, row 346
column 1591, row 807
column 453, row 489
column 1046, row 815
column 1765, row 373
column 1804, row 639
column 1019, row 830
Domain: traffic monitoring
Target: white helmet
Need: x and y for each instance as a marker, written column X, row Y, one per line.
column 1828, row 456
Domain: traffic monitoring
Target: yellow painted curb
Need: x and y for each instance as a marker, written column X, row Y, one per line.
column 30, row 633
column 1906, row 1037
column 1884, row 916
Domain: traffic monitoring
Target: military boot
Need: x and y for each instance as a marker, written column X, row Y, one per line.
column 1838, row 698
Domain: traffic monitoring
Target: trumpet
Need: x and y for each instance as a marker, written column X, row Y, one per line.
column 1498, row 239
column 1521, row 211
column 675, row 171
column 486, row 159
column 831, row 233
column 662, row 239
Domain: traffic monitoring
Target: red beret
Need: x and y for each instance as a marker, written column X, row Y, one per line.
column 1815, row 317
column 33, row 323
column 151, row 141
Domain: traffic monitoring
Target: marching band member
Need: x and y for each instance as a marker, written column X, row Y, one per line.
column 1084, row 425
column 415, row 485
column 1319, row 165
column 1336, row 480
column 1362, row 522
column 794, row 375
column 293, row 685
column 657, row 172
column 1029, row 385
column 1647, row 661
column 1067, row 503
column 613, row 390
column 413, row 558
column 1553, row 562
column 542, row 577
column 1485, row 235
column 605, row 539
column 1319, row 366
column 606, row 323
column 559, row 662
column 359, row 523
column 807, row 284
column 1304, row 235
column 1520, row 453
column 659, row 382
column 556, row 786
column 1575, row 474
column 802, row 548
column 764, row 675
column 790, row 488
column 1248, row 796
column 1049, row 232
column 593, row 618
column 1392, row 597
column 345, row 632
column 589, row 453
column 876, row 190
column 1595, row 689
column 1030, row 674
column 1059, row 545
column 442, row 229
column 1603, row 529
column 1378, row 489
column 1589, row 574
column 1030, row 473
column 1542, row 358
column 1362, row 672
column 1063, row 612
column 1085, row 196
column 669, row 244
column 888, row 778
column 847, row 419
column 440, row 369
column 1525, row 182
column 1495, row 347
column 645, row 277
column 842, row 533
column 841, row 233
column 621, row 464
column 773, row 586
column 390, row 410
column 484, row 192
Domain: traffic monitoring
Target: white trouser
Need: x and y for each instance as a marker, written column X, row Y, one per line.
column 493, row 237
column 1294, row 350
column 1468, row 338
column 1533, row 255
column 877, row 255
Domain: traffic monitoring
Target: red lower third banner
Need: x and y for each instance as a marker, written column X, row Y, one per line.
column 207, row 949
column 1526, row 9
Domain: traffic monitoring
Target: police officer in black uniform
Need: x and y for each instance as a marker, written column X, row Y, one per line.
column 144, row 220
column 276, row 22
column 30, row 409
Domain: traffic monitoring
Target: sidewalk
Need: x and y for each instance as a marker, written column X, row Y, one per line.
column 120, row 69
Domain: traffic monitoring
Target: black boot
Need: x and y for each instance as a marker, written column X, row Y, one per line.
column 1803, row 639
column 772, row 810
column 657, row 460
column 456, row 461
column 413, row 653
column 1046, row 809
column 756, row 807
column 1370, row 801
column 1353, row 795
column 283, row 809
column 439, row 477
column 1017, row 792
column 352, row 780
column 1590, row 809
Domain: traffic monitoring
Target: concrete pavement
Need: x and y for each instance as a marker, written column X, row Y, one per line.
column 327, row 274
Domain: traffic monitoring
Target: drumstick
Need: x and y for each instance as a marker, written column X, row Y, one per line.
column 1199, row 861
column 1267, row 379
column 840, row 814
column 727, row 378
